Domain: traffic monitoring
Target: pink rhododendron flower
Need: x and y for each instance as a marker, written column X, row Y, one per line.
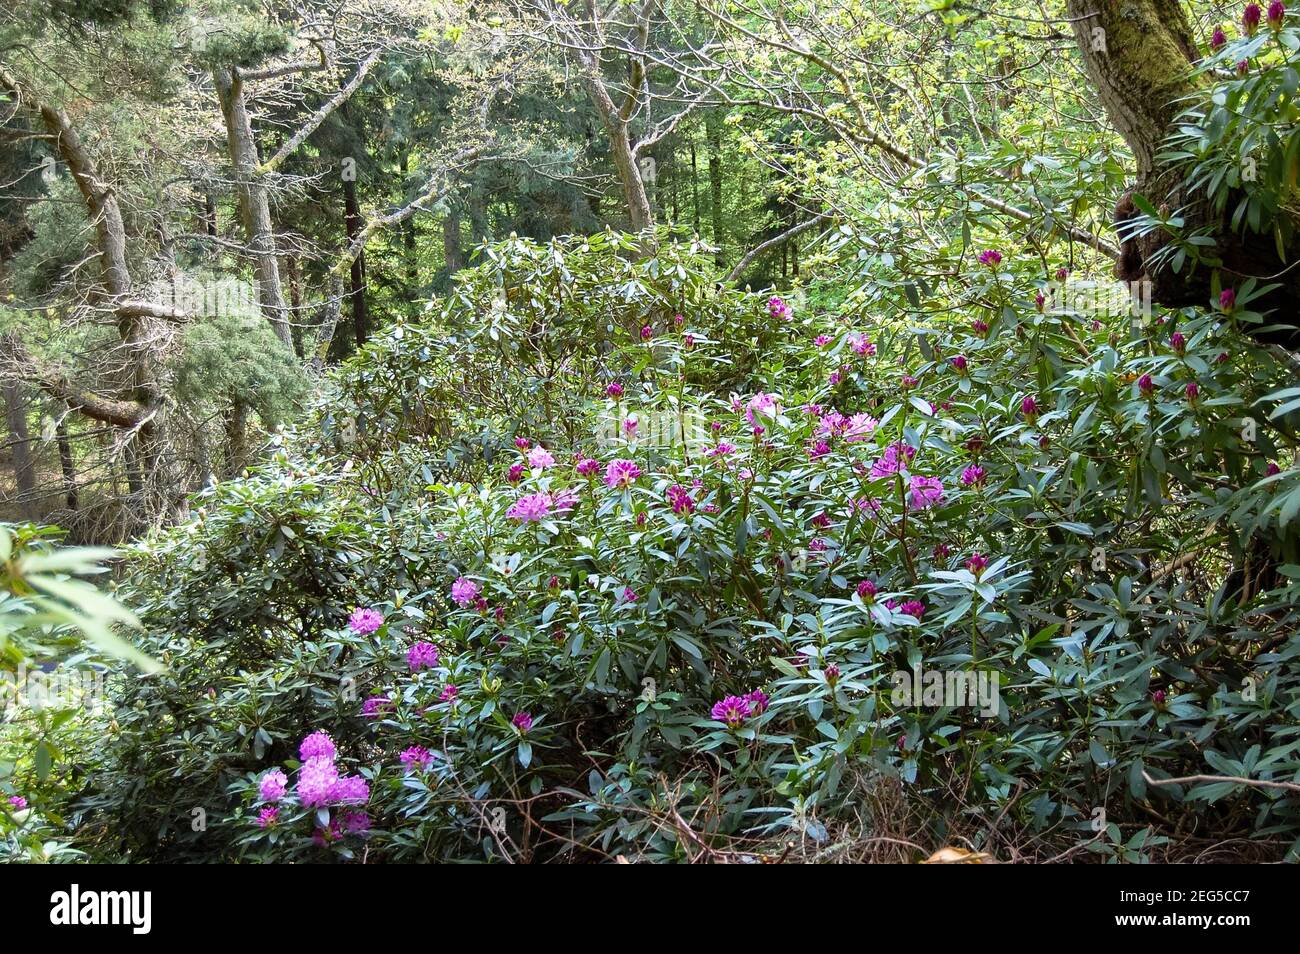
column 990, row 257
column 1227, row 300
column 764, row 404
column 896, row 456
column 818, row 450
column 1218, row 39
column 464, row 591
column 732, row 711
column 564, row 500
column 523, row 721
column 522, row 443
column 913, row 608
column 1193, row 391
column 318, row 745
column 1276, row 14
column 973, row 476
column 415, row 758
column 267, row 816
column 1146, row 386
column 630, row 426
column 356, row 822
column 758, row 701
column 620, row 473
column 924, row 492
column 777, row 308
column 614, row 389
column 540, row 458
column 273, row 786
column 315, row 780
column 832, row 424
column 349, row 790
column 588, row 466
column 860, row 428
column 647, row 333
column 422, row 655
column 449, row 692
column 867, row 590
column 364, row 621
column 17, row 802
column 375, row 706
column 680, row 500
column 724, row 449
column 822, row 341
column 629, row 595
column 515, row 473
column 862, row 345
column 977, row 563
column 530, row 508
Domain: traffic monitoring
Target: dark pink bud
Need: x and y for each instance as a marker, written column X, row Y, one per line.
column 1250, row 18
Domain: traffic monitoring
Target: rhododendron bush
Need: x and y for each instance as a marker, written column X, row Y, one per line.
column 602, row 558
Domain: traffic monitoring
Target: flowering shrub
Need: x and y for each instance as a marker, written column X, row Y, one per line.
column 624, row 638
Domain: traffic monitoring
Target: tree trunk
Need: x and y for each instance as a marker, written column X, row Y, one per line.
column 295, row 301
column 639, row 215
column 209, row 214
column 451, row 243
column 357, row 284
column 67, row 465
column 236, row 438
column 254, row 201
column 1139, row 55
column 20, row 448
column 714, row 128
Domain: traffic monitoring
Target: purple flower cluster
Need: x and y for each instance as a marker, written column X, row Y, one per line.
column 416, row 758
column 620, row 473
column 464, row 591
column 365, row 621
column 319, row 782
column 896, row 456
column 923, row 492
column 680, row 500
column 530, row 508
column 734, row 710
column 422, row 655
column 273, row 785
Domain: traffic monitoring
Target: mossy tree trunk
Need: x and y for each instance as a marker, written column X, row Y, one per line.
column 1139, row 55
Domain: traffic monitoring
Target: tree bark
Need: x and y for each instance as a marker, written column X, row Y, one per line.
column 237, row 455
column 254, row 201
column 1139, row 55
column 67, row 465
column 714, row 129
column 20, row 448
column 451, row 243
column 357, row 282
